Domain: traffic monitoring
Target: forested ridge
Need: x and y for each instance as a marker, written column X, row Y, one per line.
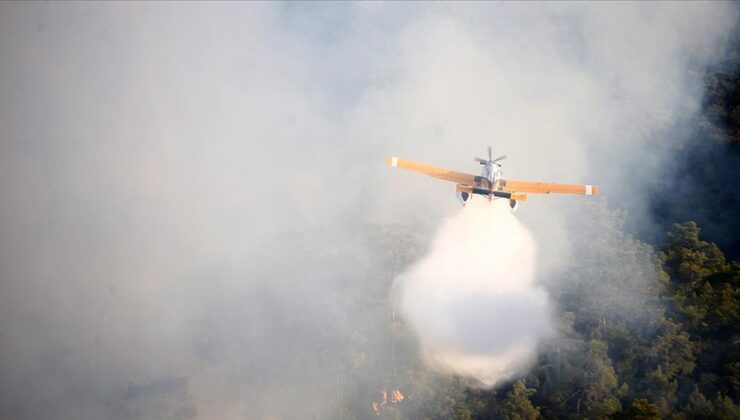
column 646, row 331
column 642, row 334
column 197, row 220
column 703, row 183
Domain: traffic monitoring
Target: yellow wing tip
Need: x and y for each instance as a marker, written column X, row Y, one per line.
column 392, row 161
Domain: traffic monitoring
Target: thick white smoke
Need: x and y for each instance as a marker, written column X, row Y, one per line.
column 183, row 186
column 473, row 300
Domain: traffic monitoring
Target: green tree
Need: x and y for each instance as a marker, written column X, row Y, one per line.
column 704, row 294
column 600, row 394
column 698, row 407
column 517, row 406
column 641, row 409
column 688, row 260
column 670, row 357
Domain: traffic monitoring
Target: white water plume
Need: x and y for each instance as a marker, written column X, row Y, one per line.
column 472, row 299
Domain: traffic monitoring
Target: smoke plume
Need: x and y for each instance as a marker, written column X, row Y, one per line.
column 184, row 188
column 473, row 300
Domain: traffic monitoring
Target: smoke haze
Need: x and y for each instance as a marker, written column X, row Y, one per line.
column 186, row 189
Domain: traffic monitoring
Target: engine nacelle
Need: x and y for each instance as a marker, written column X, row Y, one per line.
column 463, row 196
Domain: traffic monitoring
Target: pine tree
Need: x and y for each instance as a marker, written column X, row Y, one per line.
column 641, row 409
column 517, row 405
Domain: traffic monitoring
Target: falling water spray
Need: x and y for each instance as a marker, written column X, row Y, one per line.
column 473, row 300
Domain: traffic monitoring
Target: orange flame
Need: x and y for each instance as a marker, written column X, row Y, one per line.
column 396, row 396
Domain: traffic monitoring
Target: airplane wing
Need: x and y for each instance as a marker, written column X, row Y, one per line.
column 547, row 188
column 441, row 173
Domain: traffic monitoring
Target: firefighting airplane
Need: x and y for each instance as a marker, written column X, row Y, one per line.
column 490, row 183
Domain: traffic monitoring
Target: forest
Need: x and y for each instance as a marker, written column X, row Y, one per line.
column 677, row 359
column 647, row 325
column 197, row 221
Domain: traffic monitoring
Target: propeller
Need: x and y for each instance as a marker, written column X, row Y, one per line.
column 490, row 159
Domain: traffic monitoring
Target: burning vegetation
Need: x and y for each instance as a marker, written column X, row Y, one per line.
column 396, row 397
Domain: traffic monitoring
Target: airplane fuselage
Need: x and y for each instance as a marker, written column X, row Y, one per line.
column 492, row 173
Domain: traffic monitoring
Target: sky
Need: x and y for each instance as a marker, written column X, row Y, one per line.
column 169, row 172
